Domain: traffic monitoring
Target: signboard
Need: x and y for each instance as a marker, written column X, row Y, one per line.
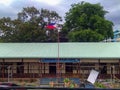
column 93, row 76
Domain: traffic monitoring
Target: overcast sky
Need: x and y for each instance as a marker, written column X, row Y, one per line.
column 10, row 8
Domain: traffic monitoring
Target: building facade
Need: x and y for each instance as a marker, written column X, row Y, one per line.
column 116, row 36
column 38, row 60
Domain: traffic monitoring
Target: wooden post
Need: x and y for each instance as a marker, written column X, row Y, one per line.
column 3, row 70
column 79, row 69
column 99, row 68
column 41, row 69
column 99, row 63
column 119, row 66
column 28, row 69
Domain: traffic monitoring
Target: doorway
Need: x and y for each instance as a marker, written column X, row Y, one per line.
column 103, row 68
column 52, row 68
column 69, row 67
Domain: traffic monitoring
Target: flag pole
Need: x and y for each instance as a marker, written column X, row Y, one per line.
column 58, row 62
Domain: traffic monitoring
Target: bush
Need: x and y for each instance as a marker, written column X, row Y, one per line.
column 66, row 80
column 99, row 85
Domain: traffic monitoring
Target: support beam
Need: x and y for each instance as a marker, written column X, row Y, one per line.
column 99, row 63
column 119, row 66
column 3, row 70
column 79, row 69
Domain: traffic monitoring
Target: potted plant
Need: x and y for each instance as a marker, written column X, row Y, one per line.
column 51, row 83
column 66, row 82
column 72, row 85
column 99, row 85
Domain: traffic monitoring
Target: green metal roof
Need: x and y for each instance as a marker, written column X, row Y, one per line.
column 66, row 50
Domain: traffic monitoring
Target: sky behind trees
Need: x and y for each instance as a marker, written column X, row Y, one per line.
column 10, row 8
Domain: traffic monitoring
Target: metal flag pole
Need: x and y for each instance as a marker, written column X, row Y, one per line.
column 58, row 62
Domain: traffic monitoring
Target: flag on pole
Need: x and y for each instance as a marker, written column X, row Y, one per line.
column 51, row 26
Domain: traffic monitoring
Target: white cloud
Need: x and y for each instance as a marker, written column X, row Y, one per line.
column 10, row 8
column 50, row 2
column 6, row 2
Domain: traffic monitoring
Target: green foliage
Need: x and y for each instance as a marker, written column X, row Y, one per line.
column 84, row 36
column 66, row 80
column 6, row 29
column 72, row 85
column 83, row 17
column 99, row 85
column 29, row 26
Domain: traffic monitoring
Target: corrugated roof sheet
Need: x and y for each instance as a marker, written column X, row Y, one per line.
column 66, row 50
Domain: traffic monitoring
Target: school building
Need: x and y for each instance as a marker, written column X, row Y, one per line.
column 40, row 60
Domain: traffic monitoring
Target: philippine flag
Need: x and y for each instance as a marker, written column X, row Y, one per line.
column 51, row 26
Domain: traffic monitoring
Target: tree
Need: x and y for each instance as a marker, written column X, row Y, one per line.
column 85, row 21
column 85, row 36
column 6, row 29
column 31, row 16
column 29, row 26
